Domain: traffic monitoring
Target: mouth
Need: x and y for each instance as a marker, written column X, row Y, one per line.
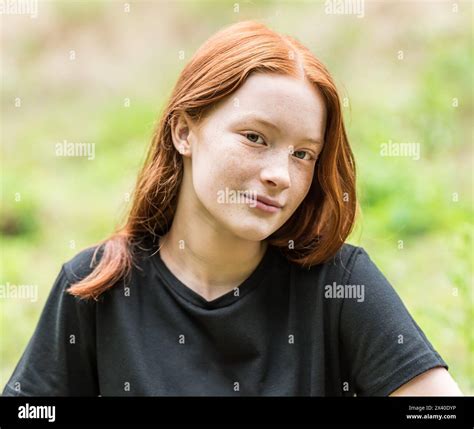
column 265, row 204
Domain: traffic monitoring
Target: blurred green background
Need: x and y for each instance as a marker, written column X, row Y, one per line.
column 99, row 72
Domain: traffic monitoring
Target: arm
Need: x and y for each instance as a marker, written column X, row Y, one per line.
column 388, row 350
column 434, row 382
column 60, row 357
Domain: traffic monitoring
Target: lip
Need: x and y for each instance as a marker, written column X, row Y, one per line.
column 267, row 204
column 269, row 201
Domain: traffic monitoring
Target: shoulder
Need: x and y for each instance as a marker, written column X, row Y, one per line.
column 60, row 301
column 340, row 266
column 83, row 263
column 344, row 260
column 350, row 268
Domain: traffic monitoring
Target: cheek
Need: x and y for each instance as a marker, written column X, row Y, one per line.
column 301, row 184
column 219, row 165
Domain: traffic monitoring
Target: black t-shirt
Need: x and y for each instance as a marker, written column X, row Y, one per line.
column 337, row 329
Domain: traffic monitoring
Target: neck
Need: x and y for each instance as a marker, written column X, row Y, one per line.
column 207, row 259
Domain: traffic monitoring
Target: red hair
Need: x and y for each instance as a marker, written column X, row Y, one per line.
column 322, row 222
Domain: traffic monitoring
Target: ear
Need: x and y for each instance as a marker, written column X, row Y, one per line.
column 182, row 133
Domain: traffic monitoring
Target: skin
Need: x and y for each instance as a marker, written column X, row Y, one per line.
column 213, row 247
column 224, row 243
column 434, row 382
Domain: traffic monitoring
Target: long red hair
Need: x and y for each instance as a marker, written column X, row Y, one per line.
column 320, row 225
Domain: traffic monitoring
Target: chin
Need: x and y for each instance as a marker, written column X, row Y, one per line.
column 252, row 231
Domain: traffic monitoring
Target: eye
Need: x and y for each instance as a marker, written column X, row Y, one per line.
column 253, row 137
column 304, row 153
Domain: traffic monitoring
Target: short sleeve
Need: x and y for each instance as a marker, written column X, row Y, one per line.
column 59, row 359
column 383, row 343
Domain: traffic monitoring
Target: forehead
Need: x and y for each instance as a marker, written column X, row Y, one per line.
column 288, row 102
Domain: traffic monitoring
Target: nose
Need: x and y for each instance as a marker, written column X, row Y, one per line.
column 276, row 173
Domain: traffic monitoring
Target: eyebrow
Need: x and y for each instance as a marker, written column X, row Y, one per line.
column 260, row 119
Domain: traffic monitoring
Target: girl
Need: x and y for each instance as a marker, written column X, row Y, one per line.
column 230, row 275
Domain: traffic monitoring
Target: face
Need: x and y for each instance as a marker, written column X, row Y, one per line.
column 261, row 143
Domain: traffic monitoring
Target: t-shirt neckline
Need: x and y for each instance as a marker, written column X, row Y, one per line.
column 249, row 284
